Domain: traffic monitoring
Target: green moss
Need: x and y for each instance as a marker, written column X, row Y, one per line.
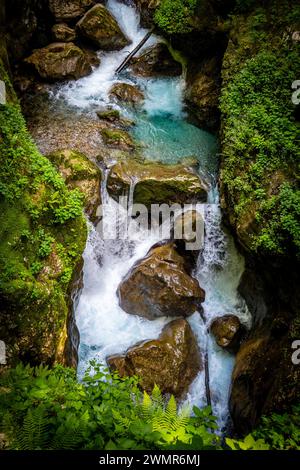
column 260, row 144
column 43, row 234
column 118, row 138
column 176, row 16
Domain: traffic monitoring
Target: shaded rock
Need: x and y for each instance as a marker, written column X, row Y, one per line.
column 159, row 285
column 114, row 116
column 188, row 235
column 67, row 10
column 91, row 56
column 156, row 61
column 100, row 27
column 126, row 93
column 63, row 33
column 108, row 157
column 147, row 9
column 156, row 183
column 117, row 138
column 59, row 61
column 202, row 94
column 80, row 172
column 228, row 332
column 172, row 361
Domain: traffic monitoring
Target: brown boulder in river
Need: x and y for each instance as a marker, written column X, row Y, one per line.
column 172, row 361
column 228, row 332
column 60, row 61
column 127, row 93
column 66, row 10
column 100, row 28
column 156, row 61
column 159, row 285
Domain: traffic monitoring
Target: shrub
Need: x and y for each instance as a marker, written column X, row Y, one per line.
column 176, row 16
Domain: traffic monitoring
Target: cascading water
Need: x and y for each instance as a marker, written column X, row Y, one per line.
column 166, row 136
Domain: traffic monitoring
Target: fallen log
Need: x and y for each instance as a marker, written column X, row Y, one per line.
column 134, row 52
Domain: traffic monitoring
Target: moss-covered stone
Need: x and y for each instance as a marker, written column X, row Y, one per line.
column 60, row 61
column 126, row 93
column 80, row 172
column 156, row 183
column 100, row 27
column 43, row 234
column 117, row 138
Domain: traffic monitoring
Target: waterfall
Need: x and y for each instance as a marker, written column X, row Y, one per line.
column 104, row 327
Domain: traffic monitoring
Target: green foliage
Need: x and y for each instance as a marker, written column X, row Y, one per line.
column 49, row 409
column 176, row 16
column 260, row 138
column 281, row 432
column 249, row 443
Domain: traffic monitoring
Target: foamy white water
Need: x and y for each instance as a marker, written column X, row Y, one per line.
column 104, row 327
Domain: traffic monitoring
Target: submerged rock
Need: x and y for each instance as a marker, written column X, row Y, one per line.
column 117, row 138
column 100, row 27
column 156, row 183
column 80, row 172
column 228, row 332
column 172, row 361
column 159, row 285
column 126, row 93
column 60, row 61
column 69, row 10
column 156, row 61
column 63, row 33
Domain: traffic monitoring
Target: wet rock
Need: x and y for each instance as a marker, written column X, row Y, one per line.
column 172, row 361
column 80, row 172
column 156, row 183
column 66, row 10
column 100, row 28
column 114, row 116
column 156, row 61
column 159, row 285
column 126, row 93
column 117, row 138
column 91, row 56
column 188, row 234
column 59, row 61
column 63, row 33
column 228, row 332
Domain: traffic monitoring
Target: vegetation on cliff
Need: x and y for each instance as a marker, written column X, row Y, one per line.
column 42, row 239
column 260, row 146
column 176, row 16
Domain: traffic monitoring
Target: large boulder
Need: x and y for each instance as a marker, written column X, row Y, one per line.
column 156, row 61
column 80, row 172
column 63, row 33
column 159, row 285
column 156, row 183
column 147, row 9
column 100, row 28
column 60, row 61
column 68, row 10
column 172, row 361
column 228, row 332
column 127, row 93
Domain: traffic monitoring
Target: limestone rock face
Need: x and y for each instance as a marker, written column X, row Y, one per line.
column 100, row 28
column 59, row 61
column 156, row 183
column 79, row 172
column 68, row 10
column 156, row 61
column 171, row 362
column 63, row 33
column 159, row 285
column 228, row 332
column 126, row 93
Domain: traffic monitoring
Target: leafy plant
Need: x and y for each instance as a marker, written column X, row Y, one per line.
column 176, row 16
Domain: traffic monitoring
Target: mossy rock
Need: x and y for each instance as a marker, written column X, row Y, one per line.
column 114, row 116
column 43, row 235
column 126, row 93
column 156, row 183
column 100, row 27
column 80, row 172
column 117, row 138
column 60, row 61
